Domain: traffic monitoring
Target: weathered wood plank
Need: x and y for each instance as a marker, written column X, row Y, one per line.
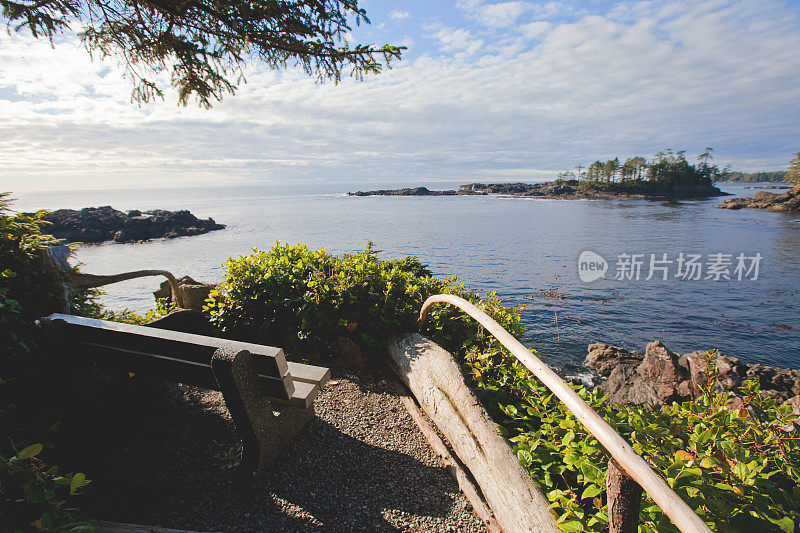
column 435, row 379
column 171, row 343
column 309, row 374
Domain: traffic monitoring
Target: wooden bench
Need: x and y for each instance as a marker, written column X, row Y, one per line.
column 269, row 399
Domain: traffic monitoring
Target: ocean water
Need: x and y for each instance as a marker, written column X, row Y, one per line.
column 526, row 250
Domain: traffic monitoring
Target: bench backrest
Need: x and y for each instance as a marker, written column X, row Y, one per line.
column 181, row 356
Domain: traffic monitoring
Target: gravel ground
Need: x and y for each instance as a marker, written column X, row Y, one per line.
column 164, row 453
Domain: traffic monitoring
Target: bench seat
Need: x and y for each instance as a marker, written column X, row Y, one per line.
column 269, row 398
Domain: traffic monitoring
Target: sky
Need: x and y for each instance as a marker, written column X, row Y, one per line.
column 486, row 91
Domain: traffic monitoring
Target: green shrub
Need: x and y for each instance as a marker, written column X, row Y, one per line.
column 738, row 468
column 27, row 291
column 162, row 308
column 303, row 299
column 34, row 496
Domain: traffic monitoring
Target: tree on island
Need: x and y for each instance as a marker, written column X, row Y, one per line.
column 205, row 44
column 667, row 170
column 793, row 174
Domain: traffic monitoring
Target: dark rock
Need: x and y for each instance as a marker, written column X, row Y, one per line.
column 603, row 358
column 785, row 382
column 194, row 293
column 413, row 191
column 560, row 189
column 729, row 371
column 661, row 376
column 98, row 224
column 184, row 320
column 785, row 202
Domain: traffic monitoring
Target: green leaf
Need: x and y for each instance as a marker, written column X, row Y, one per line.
column 572, row 526
column 524, row 457
column 77, row 482
column 31, row 451
column 786, row 524
column 591, row 491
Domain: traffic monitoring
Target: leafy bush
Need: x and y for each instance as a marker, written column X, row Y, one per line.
column 162, row 308
column 27, row 291
column 34, row 496
column 308, row 300
column 738, row 468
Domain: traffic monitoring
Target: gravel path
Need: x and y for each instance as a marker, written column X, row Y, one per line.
column 361, row 465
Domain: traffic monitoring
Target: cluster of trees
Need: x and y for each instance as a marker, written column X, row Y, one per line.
column 793, row 174
column 778, row 176
column 667, row 169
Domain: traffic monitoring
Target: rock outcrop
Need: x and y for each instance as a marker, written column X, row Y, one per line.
column 410, row 191
column 194, row 293
column 777, row 203
column 661, row 376
column 99, row 224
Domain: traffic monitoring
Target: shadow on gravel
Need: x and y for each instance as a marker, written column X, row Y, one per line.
column 159, row 454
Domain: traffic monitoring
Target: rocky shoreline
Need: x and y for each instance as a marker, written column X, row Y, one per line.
column 660, row 376
column 100, row 224
column 786, row 202
column 566, row 190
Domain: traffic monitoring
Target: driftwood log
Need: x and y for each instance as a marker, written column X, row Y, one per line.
column 73, row 281
column 435, row 379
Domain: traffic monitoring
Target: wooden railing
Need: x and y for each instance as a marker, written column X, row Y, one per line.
column 620, row 451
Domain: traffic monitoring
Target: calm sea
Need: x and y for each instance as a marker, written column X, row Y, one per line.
column 526, row 250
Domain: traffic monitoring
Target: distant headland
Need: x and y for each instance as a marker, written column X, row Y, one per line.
column 99, row 224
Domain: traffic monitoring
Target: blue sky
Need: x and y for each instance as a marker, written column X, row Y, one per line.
column 516, row 90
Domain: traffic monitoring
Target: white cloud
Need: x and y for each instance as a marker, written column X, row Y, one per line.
column 455, row 40
column 498, row 15
column 639, row 78
column 399, row 15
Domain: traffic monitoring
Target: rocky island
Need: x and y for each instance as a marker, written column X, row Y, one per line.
column 666, row 176
column 99, row 224
column 560, row 189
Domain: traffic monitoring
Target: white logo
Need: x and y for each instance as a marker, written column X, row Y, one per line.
column 591, row 266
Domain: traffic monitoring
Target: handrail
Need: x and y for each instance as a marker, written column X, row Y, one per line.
column 632, row 463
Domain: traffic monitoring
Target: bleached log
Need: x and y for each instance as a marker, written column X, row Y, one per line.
column 436, row 381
